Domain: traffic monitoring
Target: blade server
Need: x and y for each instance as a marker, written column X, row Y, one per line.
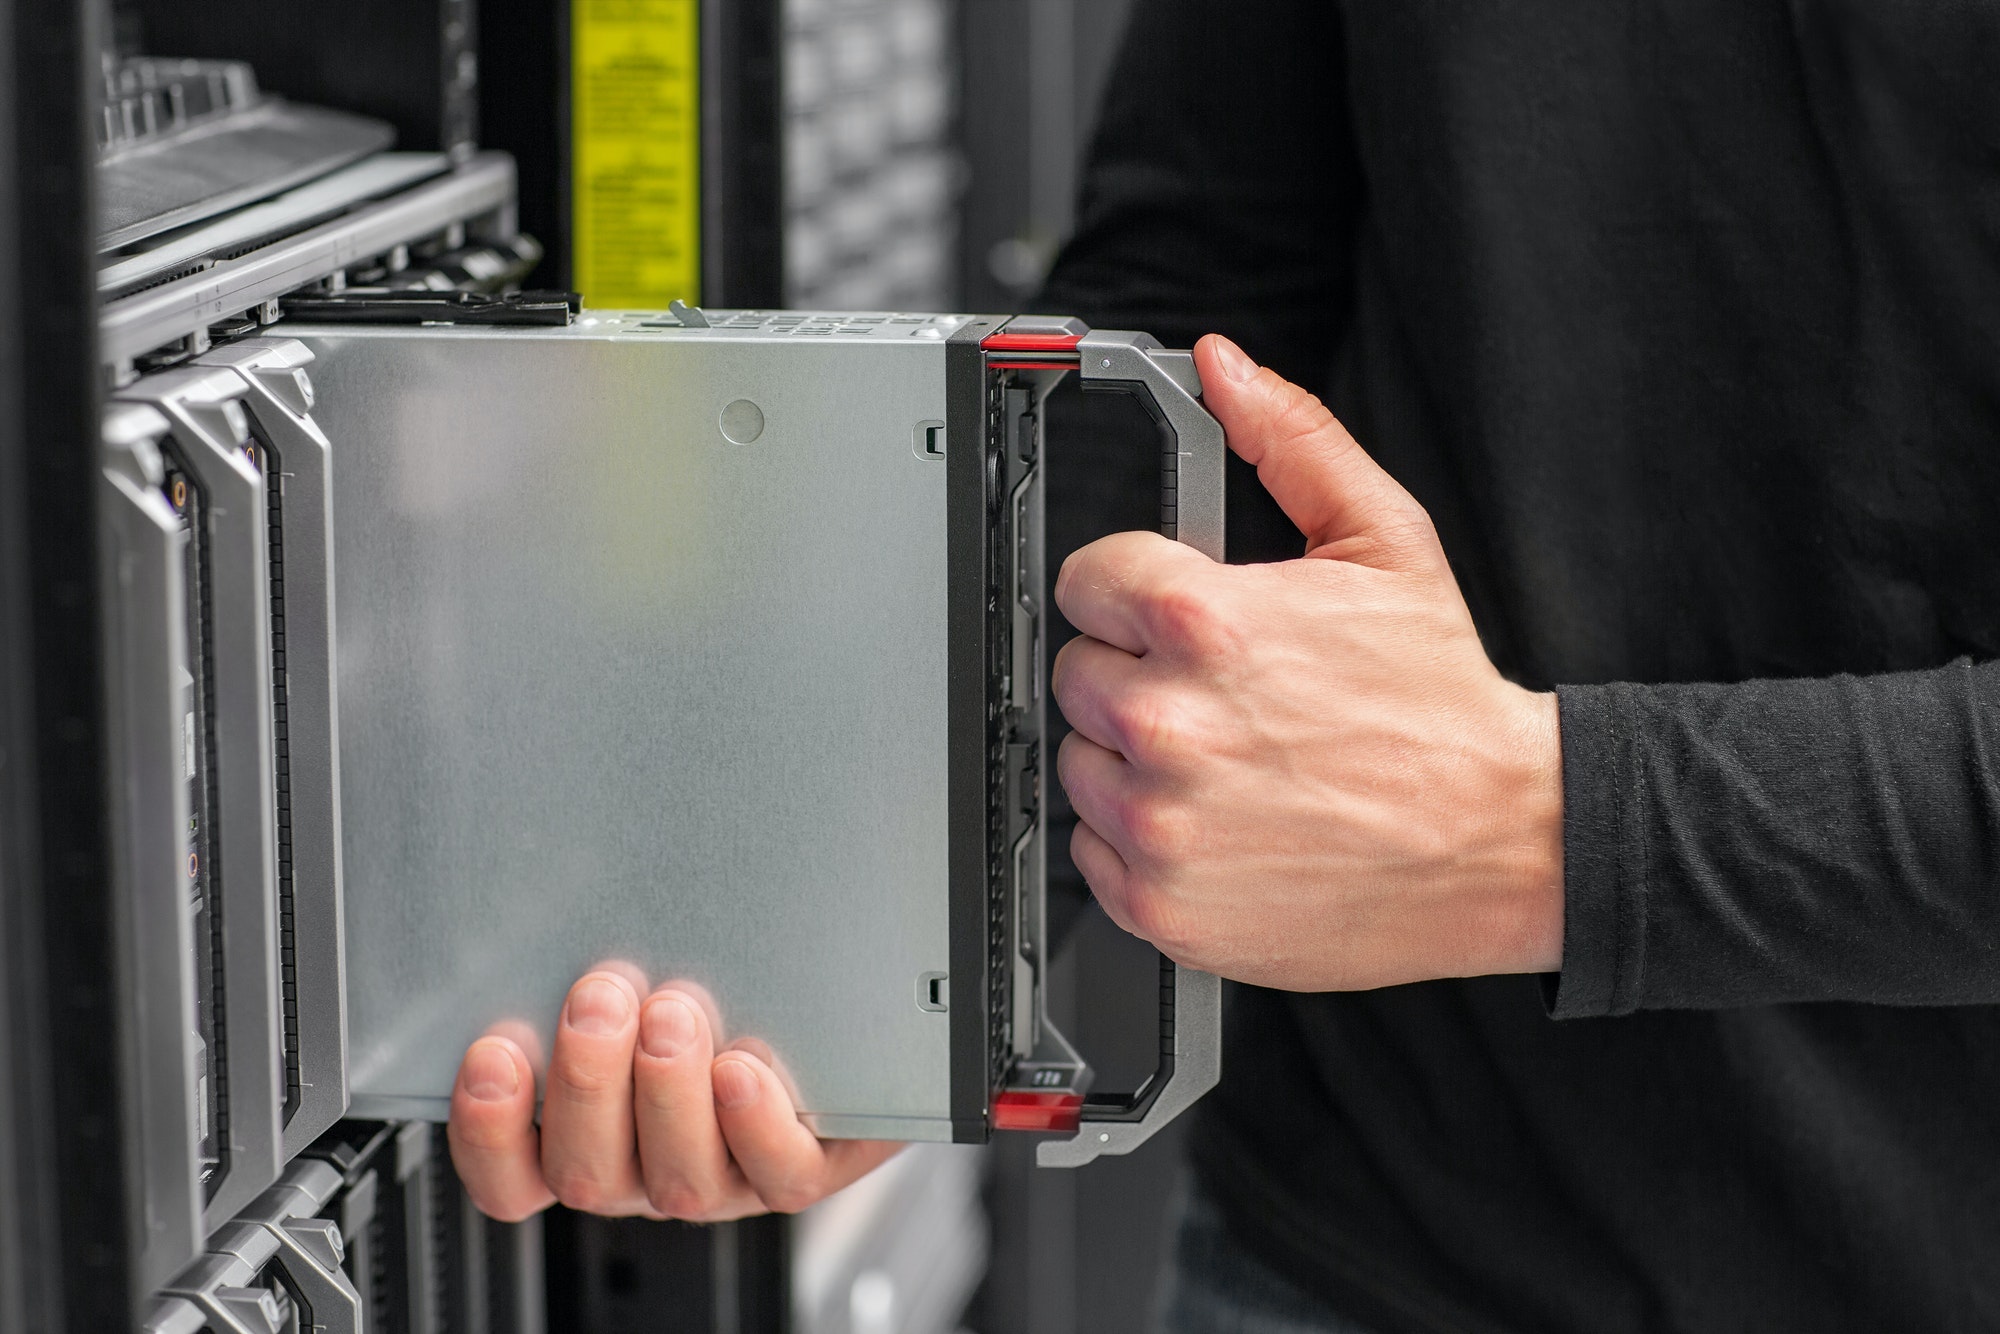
column 712, row 641
column 460, row 638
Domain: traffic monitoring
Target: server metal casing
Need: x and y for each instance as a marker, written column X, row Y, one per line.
column 644, row 654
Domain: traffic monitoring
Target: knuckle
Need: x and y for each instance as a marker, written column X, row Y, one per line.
column 1155, row 919
column 1096, row 860
column 1181, row 951
column 1301, row 414
column 582, row 1190
column 1065, row 575
column 1411, row 525
column 1155, row 724
column 491, row 1209
column 1059, row 670
column 658, row 1101
column 515, row 1213
column 1066, row 754
column 1143, row 907
column 591, row 1083
column 789, row 1197
column 1394, row 536
column 683, row 1199
column 1186, row 617
column 579, row 1195
column 1159, row 830
column 484, row 1135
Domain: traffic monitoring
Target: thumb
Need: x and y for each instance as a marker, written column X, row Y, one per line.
column 1348, row 508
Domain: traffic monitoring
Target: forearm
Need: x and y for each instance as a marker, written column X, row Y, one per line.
column 1777, row 841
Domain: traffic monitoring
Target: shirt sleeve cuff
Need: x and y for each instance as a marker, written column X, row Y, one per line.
column 1604, row 857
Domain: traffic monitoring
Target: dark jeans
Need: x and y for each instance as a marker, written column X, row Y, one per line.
column 1213, row 1285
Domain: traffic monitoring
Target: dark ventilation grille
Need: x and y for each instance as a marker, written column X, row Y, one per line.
column 213, row 885
column 999, row 638
column 281, row 770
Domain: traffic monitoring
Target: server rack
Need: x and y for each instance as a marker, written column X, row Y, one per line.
column 417, row 68
column 83, row 1236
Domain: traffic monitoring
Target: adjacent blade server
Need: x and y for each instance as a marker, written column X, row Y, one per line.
column 255, row 1206
column 708, row 640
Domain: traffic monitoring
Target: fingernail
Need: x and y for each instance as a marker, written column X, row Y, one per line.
column 736, row 1085
column 490, row 1074
column 598, row 1008
column 1236, row 364
column 666, row 1027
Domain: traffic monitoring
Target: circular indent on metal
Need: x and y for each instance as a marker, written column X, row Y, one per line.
column 742, row 422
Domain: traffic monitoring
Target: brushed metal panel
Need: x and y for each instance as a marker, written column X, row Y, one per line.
column 614, row 686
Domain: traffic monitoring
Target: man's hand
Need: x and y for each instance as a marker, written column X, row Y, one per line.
column 645, row 1112
column 1306, row 775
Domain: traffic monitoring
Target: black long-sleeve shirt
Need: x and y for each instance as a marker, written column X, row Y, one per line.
column 1682, row 317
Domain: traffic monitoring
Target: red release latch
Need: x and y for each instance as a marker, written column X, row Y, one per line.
column 1037, row 333
column 1030, row 342
column 1021, row 1109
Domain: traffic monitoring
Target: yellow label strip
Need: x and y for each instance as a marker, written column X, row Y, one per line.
column 635, row 141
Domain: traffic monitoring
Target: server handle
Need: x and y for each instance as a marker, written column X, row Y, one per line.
column 1192, row 451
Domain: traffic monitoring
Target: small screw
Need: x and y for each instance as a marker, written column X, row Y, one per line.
column 1106, row 363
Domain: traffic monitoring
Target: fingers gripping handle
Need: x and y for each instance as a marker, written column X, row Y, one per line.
column 1191, row 511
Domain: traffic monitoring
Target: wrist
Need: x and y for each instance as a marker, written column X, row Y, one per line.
column 1535, row 890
